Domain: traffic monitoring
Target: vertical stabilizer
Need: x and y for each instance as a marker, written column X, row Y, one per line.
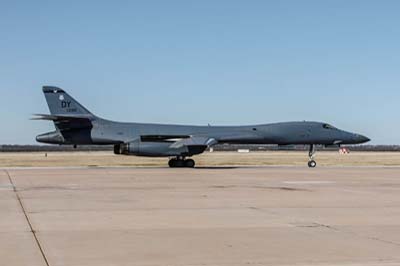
column 61, row 103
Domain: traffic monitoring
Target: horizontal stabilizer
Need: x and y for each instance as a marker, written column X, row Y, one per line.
column 61, row 117
column 67, row 122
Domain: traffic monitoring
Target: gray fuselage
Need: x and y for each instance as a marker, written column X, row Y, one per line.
column 285, row 133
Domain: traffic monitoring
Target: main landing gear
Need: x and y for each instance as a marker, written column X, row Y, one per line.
column 181, row 162
column 311, row 153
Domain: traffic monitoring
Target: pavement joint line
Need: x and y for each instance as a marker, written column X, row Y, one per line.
column 33, row 231
column 315, row 224
column 374, row 238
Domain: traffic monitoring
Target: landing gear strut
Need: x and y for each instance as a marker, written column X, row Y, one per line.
column 311, row 153
column 181, row 162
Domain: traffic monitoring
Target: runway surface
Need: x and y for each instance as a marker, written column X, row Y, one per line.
column 207, row 216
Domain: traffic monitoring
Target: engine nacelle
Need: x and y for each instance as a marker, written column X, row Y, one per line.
column 152, row 149
column 157, row 149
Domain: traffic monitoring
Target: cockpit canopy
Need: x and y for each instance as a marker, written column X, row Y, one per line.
column 327, row 126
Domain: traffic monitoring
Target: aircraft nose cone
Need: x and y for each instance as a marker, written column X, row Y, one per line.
column 362, row 139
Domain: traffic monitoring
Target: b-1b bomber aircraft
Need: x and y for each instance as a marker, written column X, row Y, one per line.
column 75, row 125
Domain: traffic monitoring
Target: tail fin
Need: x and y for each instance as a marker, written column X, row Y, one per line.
column 60, row 103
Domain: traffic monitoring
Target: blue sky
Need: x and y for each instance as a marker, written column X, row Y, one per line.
column 198, row 62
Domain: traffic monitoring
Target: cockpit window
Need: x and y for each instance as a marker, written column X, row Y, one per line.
column 327, row 126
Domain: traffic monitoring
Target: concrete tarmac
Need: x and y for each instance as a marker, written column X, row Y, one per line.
column 205, row 216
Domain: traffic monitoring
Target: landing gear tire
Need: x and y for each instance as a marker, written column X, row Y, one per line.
column 189, row 163
column 181, row 163
column 312, row 164
column 172, row 163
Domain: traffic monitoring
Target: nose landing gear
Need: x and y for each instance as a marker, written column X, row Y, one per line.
column 181, row 162
column 311, row 153
column 312, row 163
